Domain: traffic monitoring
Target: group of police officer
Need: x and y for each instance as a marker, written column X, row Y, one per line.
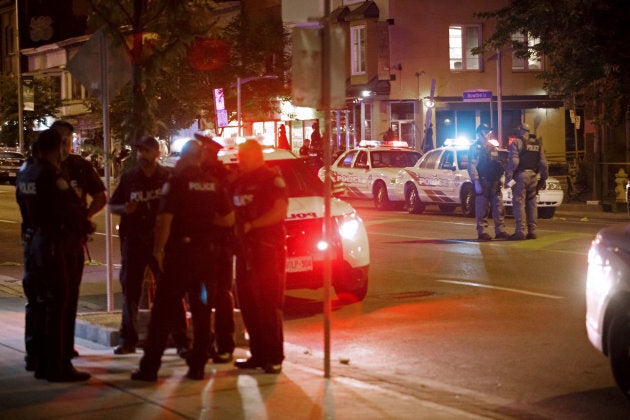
column 51, row 190
column 207, row 214
column 185, row 225
column 525, row 174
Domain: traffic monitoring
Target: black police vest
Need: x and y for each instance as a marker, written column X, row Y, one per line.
column 530, row 155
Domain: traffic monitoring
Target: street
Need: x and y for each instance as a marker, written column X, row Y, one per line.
column 492, row 329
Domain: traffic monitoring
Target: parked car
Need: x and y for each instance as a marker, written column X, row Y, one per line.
column 368, row 172
column 304, row 265
column 608, row 299
column 441, row 178
column 10, row 163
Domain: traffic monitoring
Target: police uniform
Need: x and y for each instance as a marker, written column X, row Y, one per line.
column 55, row 226
column 84, row 181
column 260, row 265
column 194, row 198
column 136, row 242
column 526, row 160
column 485, row 170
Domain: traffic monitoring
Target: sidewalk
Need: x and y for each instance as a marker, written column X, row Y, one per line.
column 299, row 392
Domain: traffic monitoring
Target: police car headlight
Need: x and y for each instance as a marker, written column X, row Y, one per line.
column 553, row 185
column 599, row 278
column 348, row 226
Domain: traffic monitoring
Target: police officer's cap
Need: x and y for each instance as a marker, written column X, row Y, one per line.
column 483, row 127
column 208, row 143
column 524, row 127
column 148, row 142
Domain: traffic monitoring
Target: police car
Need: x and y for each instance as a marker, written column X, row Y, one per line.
column 608, row 299
column 305, row 218
column 370, row 170
column 441, row 178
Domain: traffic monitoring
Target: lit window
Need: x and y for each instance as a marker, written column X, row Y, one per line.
column 462, row 39
column 357, row 40
column 534, row 62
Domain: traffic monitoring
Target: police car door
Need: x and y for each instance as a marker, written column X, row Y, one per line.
column 362, row 174
column 345, row 172
column 427, row 175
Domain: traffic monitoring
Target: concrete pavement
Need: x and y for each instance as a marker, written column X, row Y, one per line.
column 299, row 392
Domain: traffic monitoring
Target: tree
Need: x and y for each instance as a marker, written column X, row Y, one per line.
column 47, row 104
column 585, row 47
column 157, row 34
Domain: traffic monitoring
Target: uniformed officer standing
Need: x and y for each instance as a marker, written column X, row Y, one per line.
column 193, row 205
column 526, row 161
column 86, row 183
column 222, row 341
column 56, row 226
column 261, row 201
column 485, row 170
column 136, row 199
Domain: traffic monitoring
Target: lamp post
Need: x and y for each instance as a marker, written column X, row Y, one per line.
column 240, row 82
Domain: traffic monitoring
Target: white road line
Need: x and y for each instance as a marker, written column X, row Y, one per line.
column 505, row 289
column 8, row 221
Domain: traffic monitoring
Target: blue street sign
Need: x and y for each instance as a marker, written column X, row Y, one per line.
column 477, row 96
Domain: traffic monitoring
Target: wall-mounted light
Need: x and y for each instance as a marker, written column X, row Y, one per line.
column 428, row 102
column 366, row 93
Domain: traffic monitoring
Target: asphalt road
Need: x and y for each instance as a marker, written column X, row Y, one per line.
column 491, row 328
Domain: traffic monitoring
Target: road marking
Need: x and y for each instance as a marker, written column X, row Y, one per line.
column 505, row 289
column 8, row 221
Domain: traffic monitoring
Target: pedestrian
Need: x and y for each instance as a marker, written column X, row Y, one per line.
column 222, row 340
column 305, row 149
column 193, row 205
column 261, row 201
column 87, row 184
column 54, row 228
column 283, row 142
column 485, row 170
column 136, row 200
column 527, row 167
column 317, row 143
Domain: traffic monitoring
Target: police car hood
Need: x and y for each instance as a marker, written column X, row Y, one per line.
column 313, row 207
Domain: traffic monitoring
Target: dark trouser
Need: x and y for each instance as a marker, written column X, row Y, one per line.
column 260, row 277
column 224, row 303
column 75, row 261
column 136, row 255
column 34, row 309
column 188, row 269
column 490, row 197
column 524, row 201
column 48, row 306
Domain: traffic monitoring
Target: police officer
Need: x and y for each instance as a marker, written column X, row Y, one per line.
column 222, row 341
column 86, row 183
column 485, row 170
column 56, row 226
column 136, row 200
column 526, row 162
column 261, row 201
column 194, row 203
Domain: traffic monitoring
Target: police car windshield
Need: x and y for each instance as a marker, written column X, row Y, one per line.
column 300, row 179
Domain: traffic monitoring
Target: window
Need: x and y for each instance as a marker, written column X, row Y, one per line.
column 357, row 42
column 430, row 159
column 534, row 62
column 447, row 160
column 347, row 160
column 461, row 40
column 362, row 160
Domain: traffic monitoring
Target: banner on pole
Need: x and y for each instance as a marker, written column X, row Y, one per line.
column 28, row 93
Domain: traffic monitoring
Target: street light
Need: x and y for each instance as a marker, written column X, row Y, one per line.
column 240, row 82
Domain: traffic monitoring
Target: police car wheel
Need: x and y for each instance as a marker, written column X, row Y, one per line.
column 468, row 201
column 619, row 349
column 352, row 286
column 546, row 212
column 381, row 200
column 414, row 204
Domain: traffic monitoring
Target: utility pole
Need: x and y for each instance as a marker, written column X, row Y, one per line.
column 18, row 73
